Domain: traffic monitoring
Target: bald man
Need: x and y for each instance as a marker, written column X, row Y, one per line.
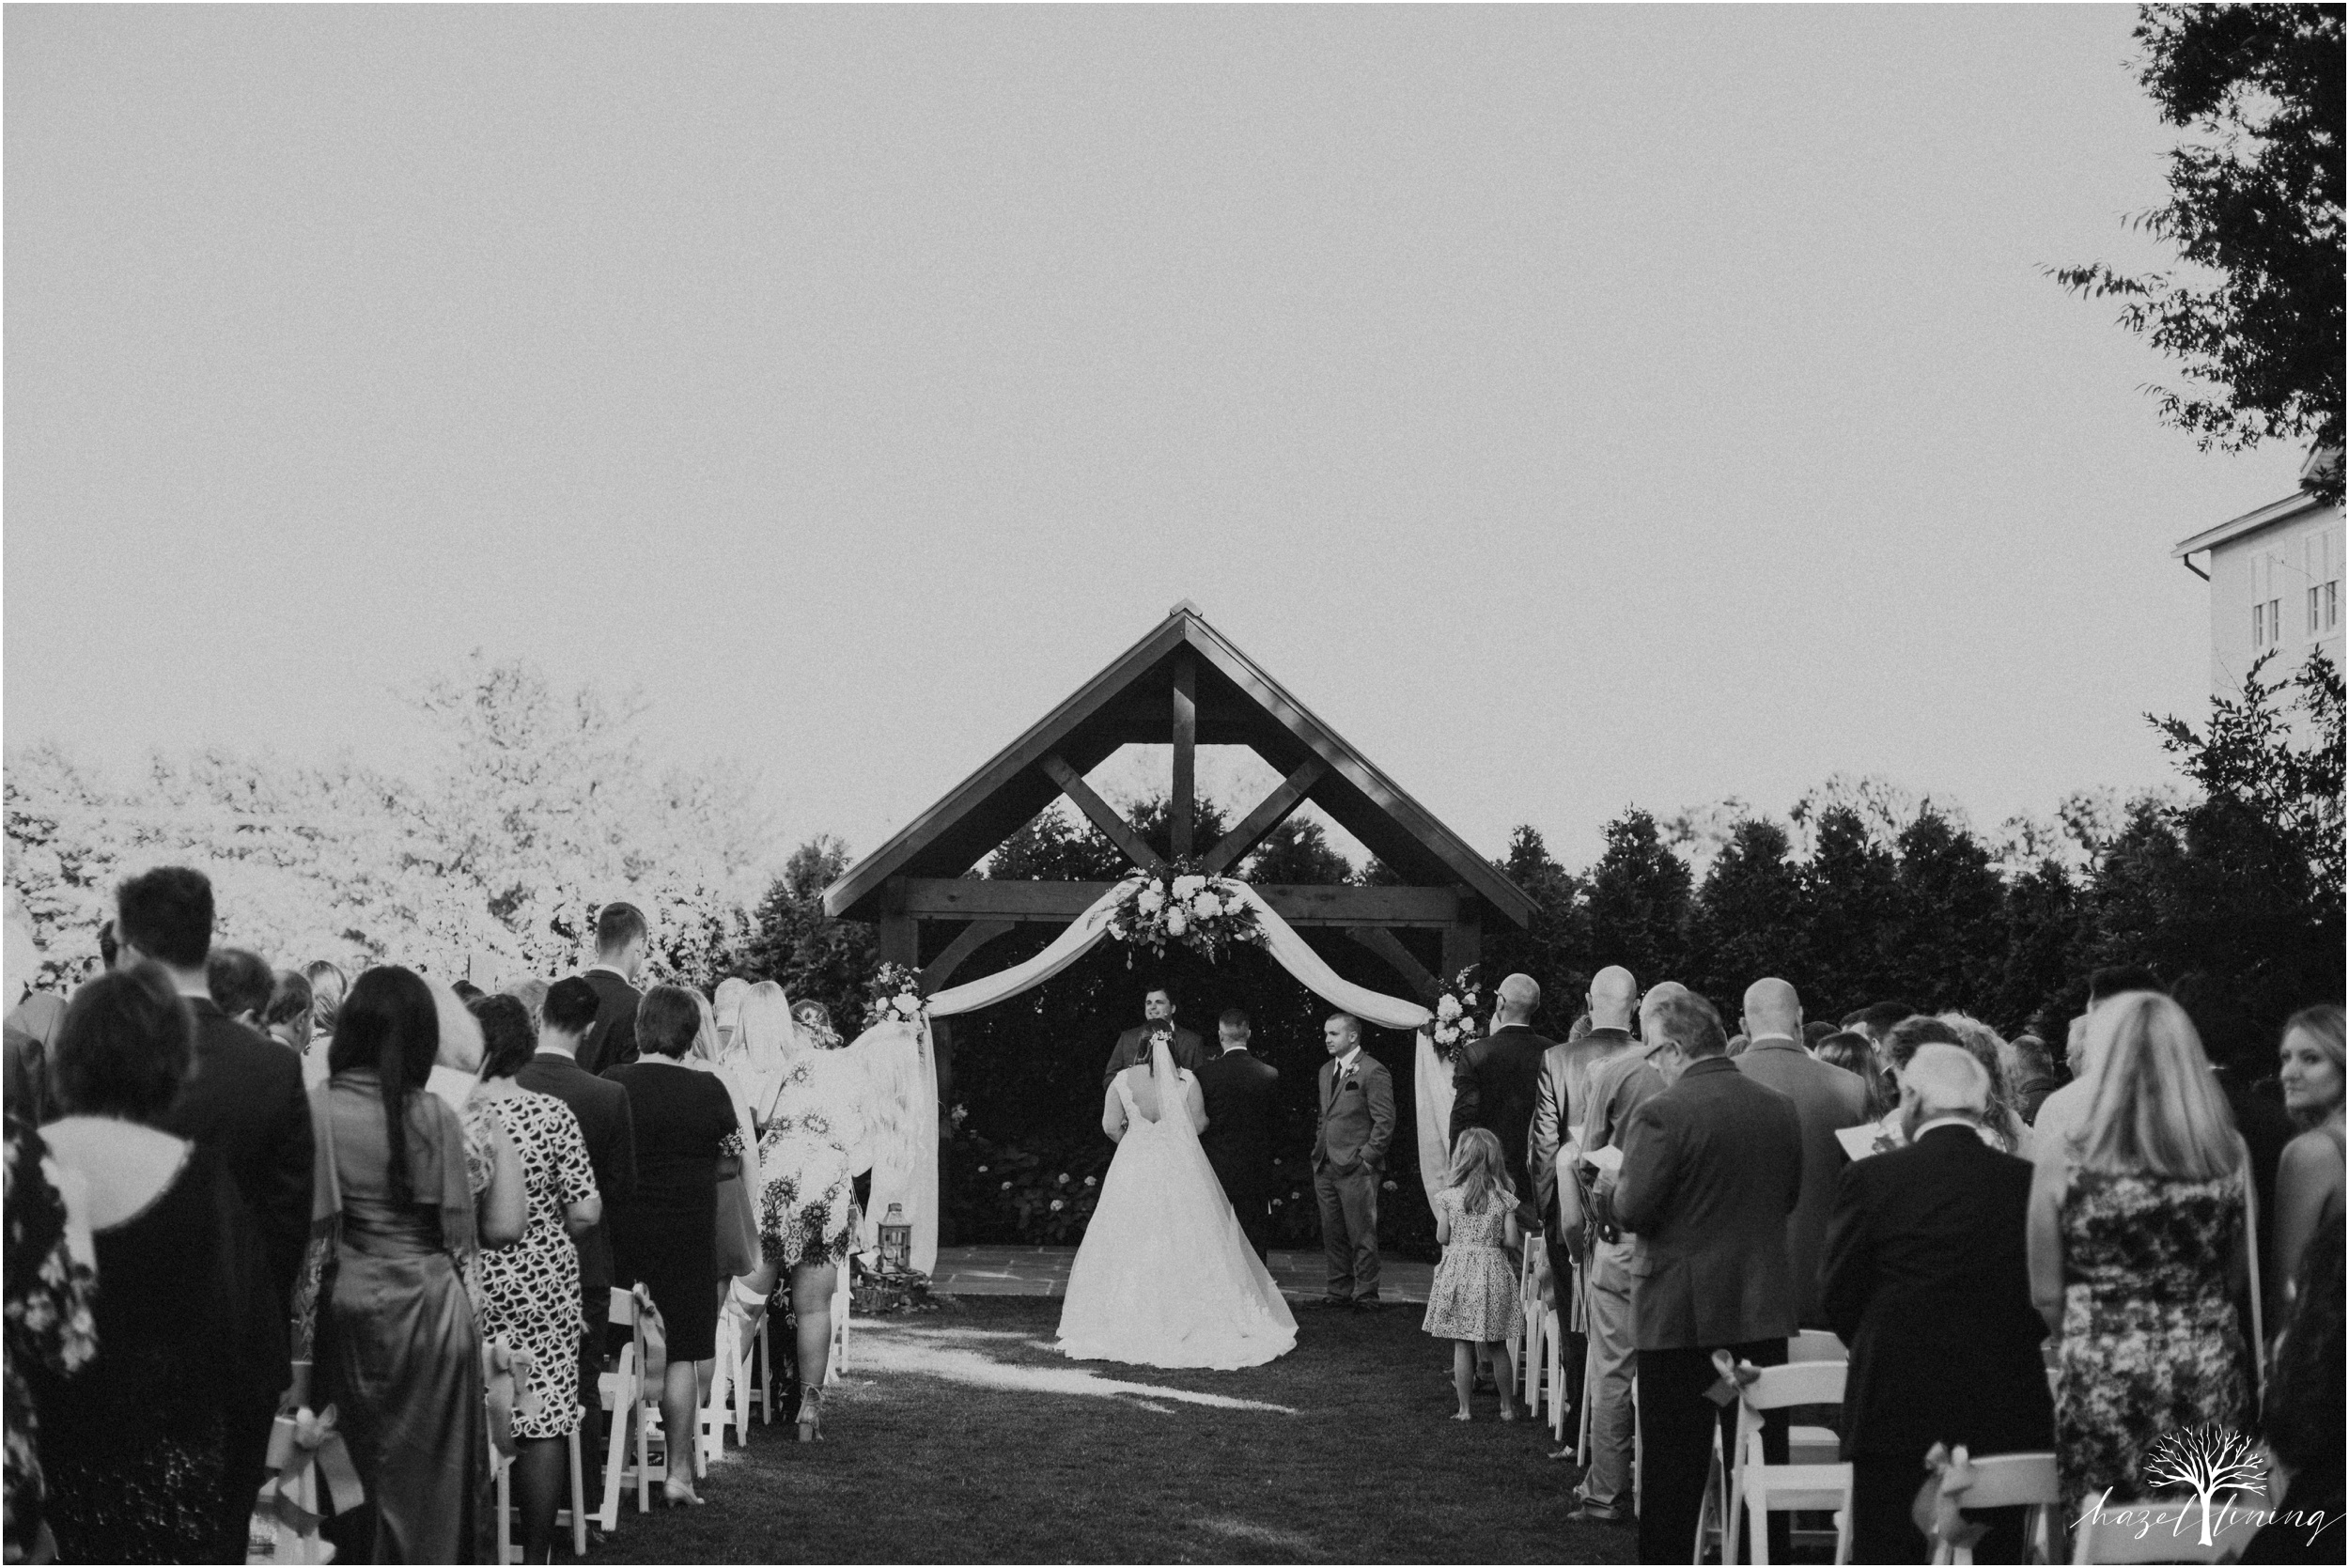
column 1493, row 1080
column 1828, row 1099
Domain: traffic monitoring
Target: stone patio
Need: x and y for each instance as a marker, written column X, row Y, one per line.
column 1044, row 1271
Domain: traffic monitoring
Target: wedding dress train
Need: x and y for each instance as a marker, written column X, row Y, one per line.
column 1165, row 1277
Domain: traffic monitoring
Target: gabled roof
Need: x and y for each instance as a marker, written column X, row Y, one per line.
column 1130, row 702
column 2289, row 508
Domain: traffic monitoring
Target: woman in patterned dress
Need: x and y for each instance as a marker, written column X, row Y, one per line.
column 530, row 1290
column 50, row 1286
column 1472, row 1300
column 807, row 1174
column 2137, row 1253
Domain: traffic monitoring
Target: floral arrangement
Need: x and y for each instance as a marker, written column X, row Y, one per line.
column 1181, row 906
column 895, row 997
column 1456, row 1025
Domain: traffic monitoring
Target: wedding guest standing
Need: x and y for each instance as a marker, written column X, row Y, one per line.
column 1238, row 1087
column 2137, row 1247
column 244, row 1102
column 2309, row 1177
column 239, row 984
column 396, row 1349
column 1562, row 1094
column 1826, row 1100
column 1472, row 1302
column 622, row 940
column 2304, row 1419
column 726, row 1004
column 1927, row 1282
column 1712, row 1169
column 135, row 1443
column 1852, row 1053
column 328, row 986
column 1133, row 1046
column 664, row 1236
column 807, row 1206
column 1350, row 1139
column 530, row 1290
column 286, row 1019
column 1493, row 1079
column 602, row 1108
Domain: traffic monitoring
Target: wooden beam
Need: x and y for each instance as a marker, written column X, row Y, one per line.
column 1388, row 946
column 1185, row 753
column 974, row 898
column 1269, row 814
column 1113, row 826
column 1463, row 943
column 973, row 936
column 900, row 929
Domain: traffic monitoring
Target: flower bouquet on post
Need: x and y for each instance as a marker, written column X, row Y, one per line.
column 1456, row 1025
column 1178, row 904
column 895, row 996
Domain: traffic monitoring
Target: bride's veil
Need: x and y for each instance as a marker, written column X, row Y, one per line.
column 1174, row 1103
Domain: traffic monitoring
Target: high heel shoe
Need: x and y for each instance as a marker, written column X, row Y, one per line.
column 810, row 1417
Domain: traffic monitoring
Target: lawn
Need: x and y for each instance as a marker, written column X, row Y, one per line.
column 961, row 1435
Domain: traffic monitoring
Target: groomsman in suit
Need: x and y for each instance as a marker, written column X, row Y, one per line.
column 1349, row 1153
column 1827, row 1099
column 1238, row 1091
column 1927, row 1282
column 1133, row 1047
column 244, row 1102
column 564, row 1018
column 1712, row 1167
column 622, row 939
column 1493, row 1083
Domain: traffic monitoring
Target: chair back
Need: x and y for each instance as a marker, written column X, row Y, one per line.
column 1815, row 1344
column 1795, row 1383
column 623, row 1308
column 2012, row 1481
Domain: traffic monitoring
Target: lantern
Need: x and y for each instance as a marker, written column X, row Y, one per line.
column 896, row 1242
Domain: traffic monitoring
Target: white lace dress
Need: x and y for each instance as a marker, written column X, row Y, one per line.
column 1165, row 1278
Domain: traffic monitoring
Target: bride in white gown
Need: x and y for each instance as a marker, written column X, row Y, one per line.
column 1164, row 1278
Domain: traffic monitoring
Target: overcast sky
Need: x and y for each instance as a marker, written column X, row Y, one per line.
column 1574, row 407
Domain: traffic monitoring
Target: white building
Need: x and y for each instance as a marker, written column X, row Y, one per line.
column 2275, row 588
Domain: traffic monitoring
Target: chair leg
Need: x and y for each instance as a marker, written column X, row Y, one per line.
column 506, row 1511
column 1590, row 1382
column 1759, row 1522
column 615, row 1455
column 579, row 1498
column 765, row 1378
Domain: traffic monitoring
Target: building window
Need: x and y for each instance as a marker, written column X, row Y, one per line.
column 2259, row 626
column 2322, row 556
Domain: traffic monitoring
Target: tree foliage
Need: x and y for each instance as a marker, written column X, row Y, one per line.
column 2255, row 210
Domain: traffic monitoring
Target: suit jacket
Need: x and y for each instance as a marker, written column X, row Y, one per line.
column 245, row 1102
column 1238, row 1090
column 1561, row 1096
column 1712, row 1168
column 610, row 1040
column 1133, row 1049
column 1492, row 1087
column 610, row 1130
column 1357, row 1116
column 1925, row 1279
column 1826, row 1098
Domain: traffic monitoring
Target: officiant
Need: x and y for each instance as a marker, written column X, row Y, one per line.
column 1133, row 1047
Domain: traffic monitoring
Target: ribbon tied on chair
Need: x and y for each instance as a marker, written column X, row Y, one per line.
column 505, row 1383
column 1732, row 1377
column 307, row 1460
column 1949, row 1475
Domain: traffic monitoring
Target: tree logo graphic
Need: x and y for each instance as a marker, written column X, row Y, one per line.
column 2207, row 1461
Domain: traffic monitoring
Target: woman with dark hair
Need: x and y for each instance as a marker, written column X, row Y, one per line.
column 133, row 1443
column 664, row 1235
column 530, row 1290
column 396, row 1350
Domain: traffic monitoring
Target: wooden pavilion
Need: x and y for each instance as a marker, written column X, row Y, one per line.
column 1184, row 683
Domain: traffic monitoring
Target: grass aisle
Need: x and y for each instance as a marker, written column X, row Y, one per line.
column 961, row 1435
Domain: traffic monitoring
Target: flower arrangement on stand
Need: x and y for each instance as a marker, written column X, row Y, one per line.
column 1177, row 905
column 895, row 996
column 1456, row 1025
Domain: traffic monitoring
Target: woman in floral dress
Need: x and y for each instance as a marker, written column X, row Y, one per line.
column 807, row 1198
column 50, row 1286
column 1472, row 1300
column 2137, row 1253
column 530, row 1290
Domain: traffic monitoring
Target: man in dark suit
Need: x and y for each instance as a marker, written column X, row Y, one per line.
column 1238, row 1090
column 1493, row 1082
column 1828, row 1099
column 601, row 1107
column 622, row 939
column 1350, row 1139
column 1927, row 1282
column 244, row 1101
column 1712, row 1167
column 1133, row 1047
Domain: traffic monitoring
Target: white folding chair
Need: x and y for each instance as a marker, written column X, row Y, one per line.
column 1554, row 1370
column 634, row 1410
column 2162, row 1529
column 840, row 1302
column 1813, row 1445
column 2010, row 1481
column 1758, row 1488
column 760, row 1387
column 501, row 1468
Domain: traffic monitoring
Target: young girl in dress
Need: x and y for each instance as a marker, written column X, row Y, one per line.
column 1473, row 1300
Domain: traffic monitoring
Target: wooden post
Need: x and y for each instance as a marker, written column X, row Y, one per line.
column 1462, row 939
column 1186, row 748
column 900, row 933
column 942, row 1042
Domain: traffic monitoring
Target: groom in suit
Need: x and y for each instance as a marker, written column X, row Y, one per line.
column 1133, row 1047
column 1238, row 1091
column 1350, row 1154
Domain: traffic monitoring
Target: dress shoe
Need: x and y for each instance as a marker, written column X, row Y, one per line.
column 1586, row 1515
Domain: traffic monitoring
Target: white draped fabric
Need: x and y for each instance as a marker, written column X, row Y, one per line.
column 902, row 1062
